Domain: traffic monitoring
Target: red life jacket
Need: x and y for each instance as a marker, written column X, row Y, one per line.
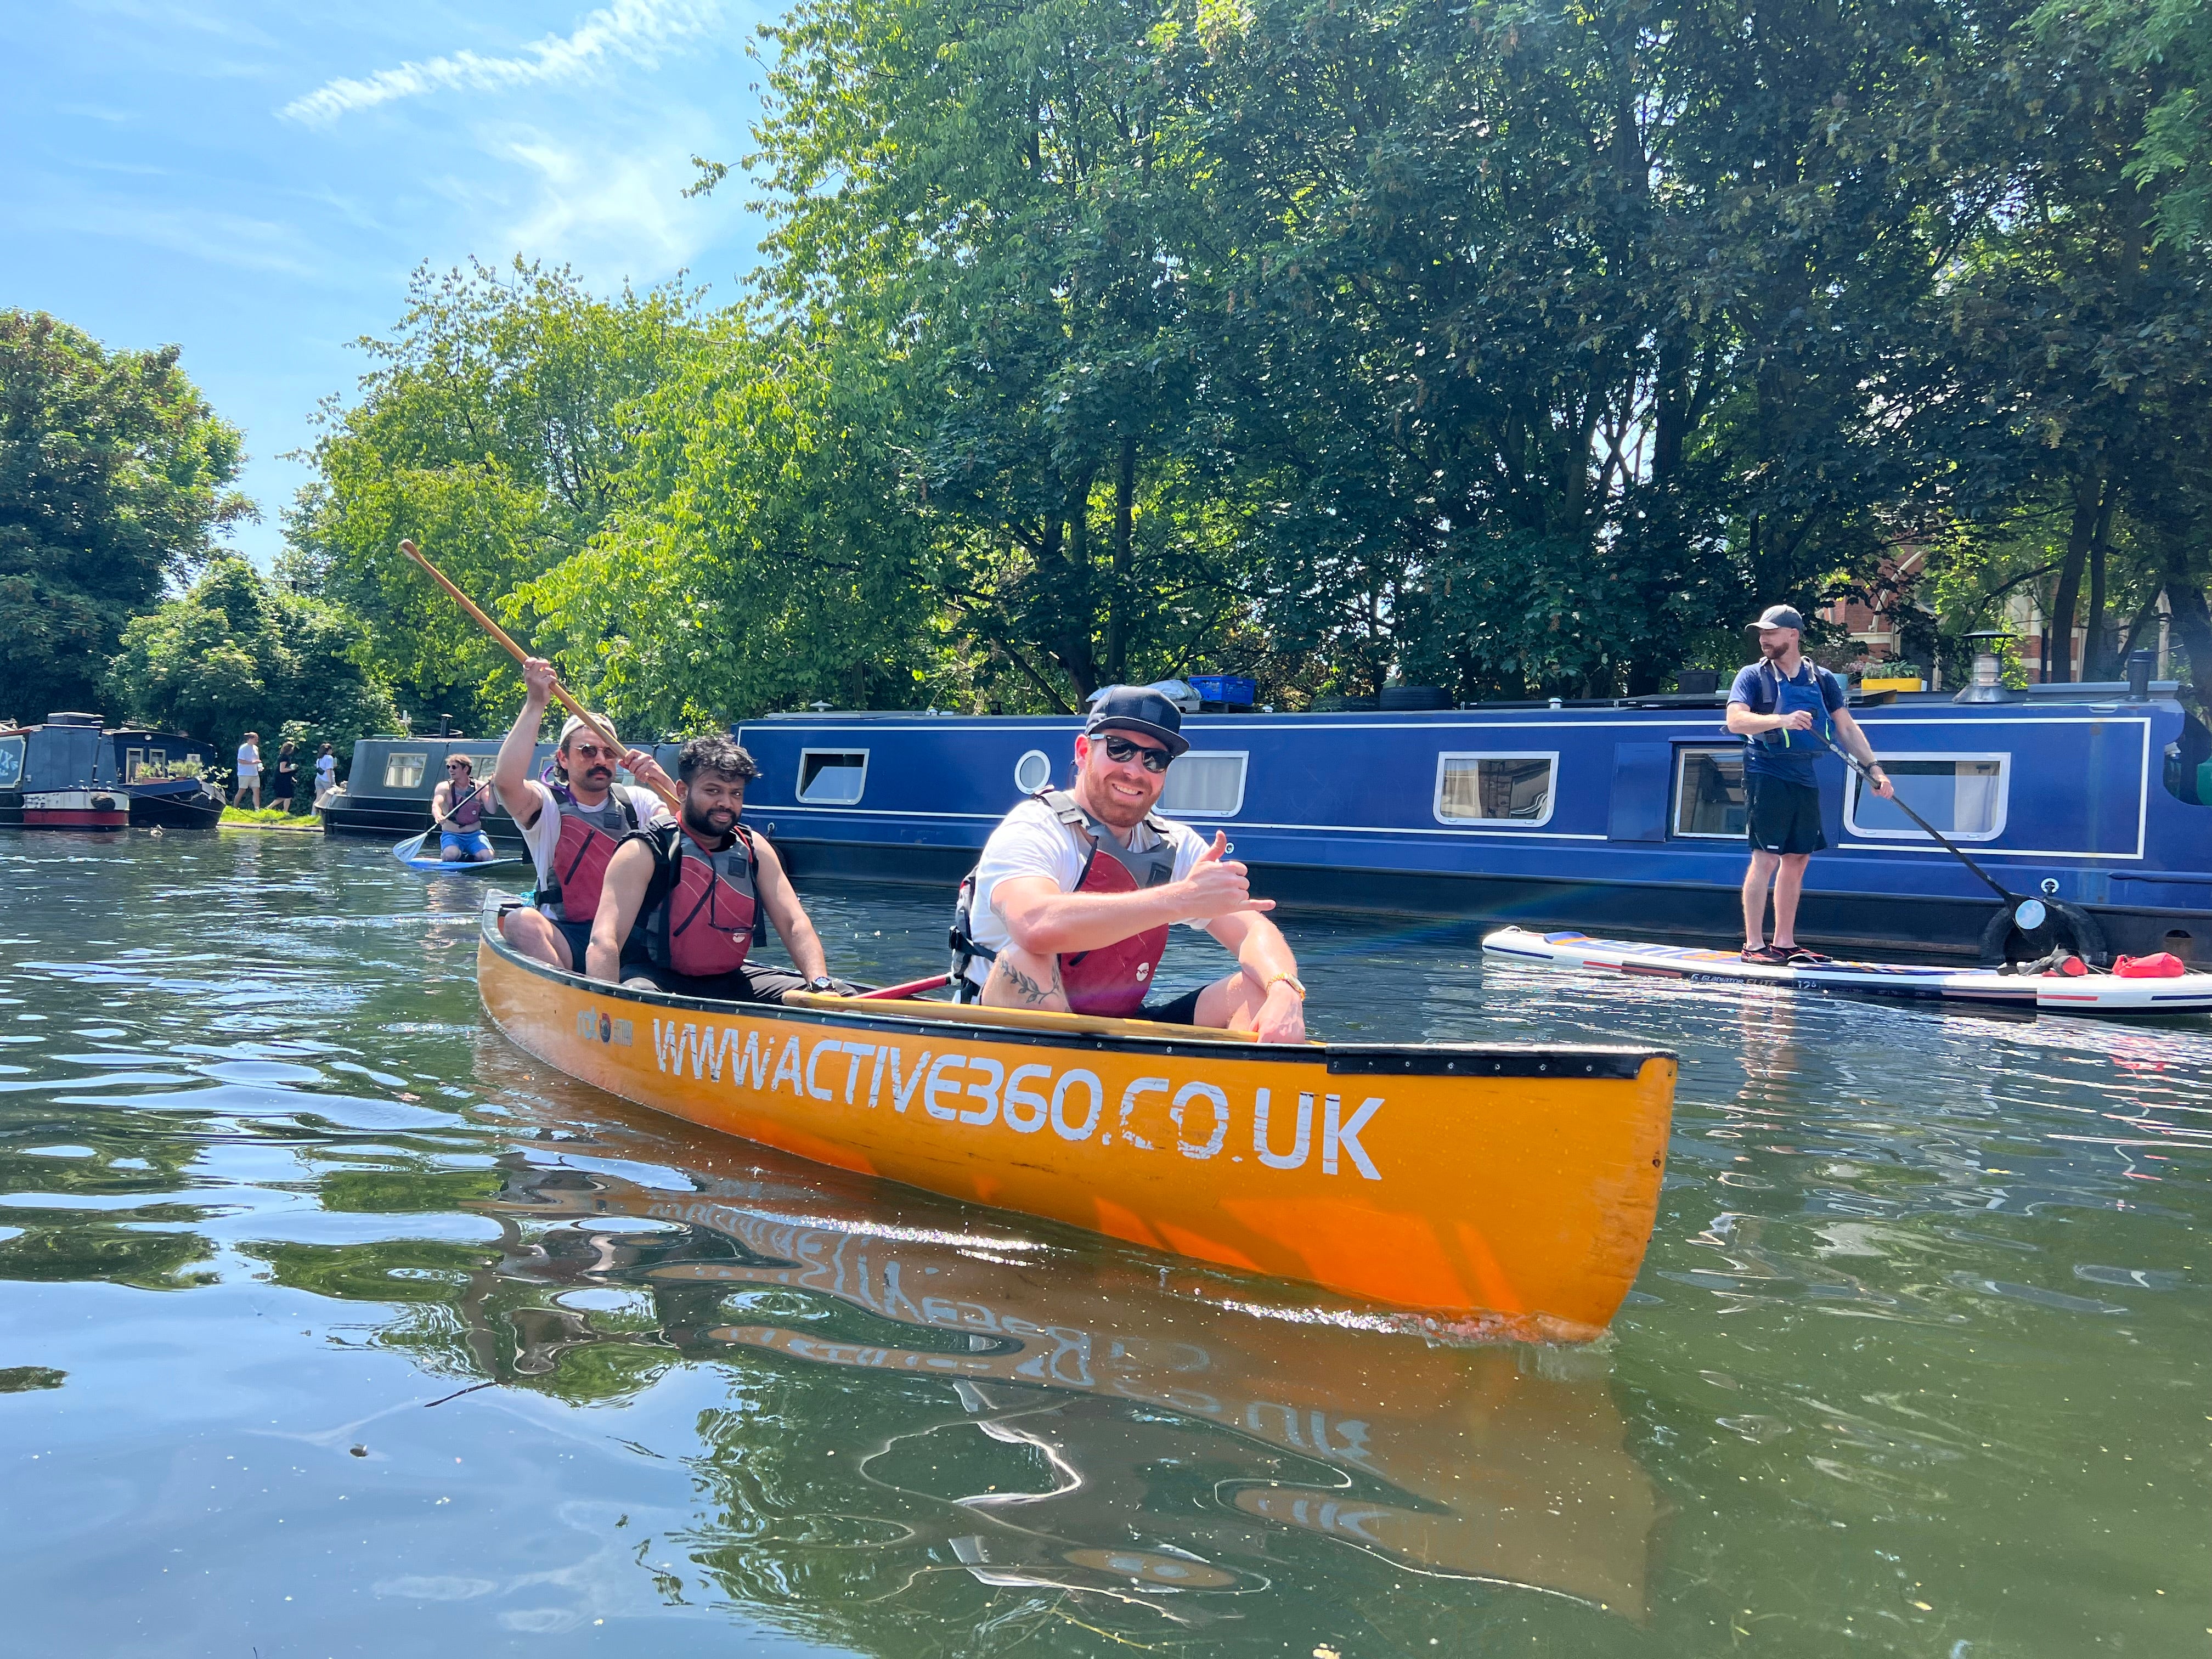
column 467, row 810
column 704, row 924
column 1113, row 979
column 570, row 891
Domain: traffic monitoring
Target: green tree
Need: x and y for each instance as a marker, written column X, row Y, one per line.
column 238, row 653
column 496, row 429
column 774, row 557
column 113, row 480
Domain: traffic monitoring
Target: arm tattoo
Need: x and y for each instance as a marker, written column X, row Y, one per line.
column 1029, row 991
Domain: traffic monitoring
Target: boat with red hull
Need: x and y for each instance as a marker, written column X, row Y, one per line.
column 70, row 773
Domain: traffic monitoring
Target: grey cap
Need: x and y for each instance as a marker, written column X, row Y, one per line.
column 1138, row 709
column 1778, row 616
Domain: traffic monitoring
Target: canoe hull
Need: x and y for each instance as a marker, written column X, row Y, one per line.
column 1511, row 1189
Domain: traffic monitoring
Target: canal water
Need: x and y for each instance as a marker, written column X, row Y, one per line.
column 331, row 1323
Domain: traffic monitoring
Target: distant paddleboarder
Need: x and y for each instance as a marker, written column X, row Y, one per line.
column 1777, row 705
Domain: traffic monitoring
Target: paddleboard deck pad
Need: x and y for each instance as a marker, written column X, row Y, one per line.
column 2093, row 994
column 458, row 866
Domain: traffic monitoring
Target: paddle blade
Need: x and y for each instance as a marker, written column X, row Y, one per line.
column 411, row 848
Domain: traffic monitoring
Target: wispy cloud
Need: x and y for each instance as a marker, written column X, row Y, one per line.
column 631, row 30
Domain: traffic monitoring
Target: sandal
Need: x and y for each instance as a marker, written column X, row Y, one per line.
column 1766, row 956
column 1799, row 957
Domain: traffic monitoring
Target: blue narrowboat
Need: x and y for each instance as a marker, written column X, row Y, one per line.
column 1624, row 816
column 70, row 773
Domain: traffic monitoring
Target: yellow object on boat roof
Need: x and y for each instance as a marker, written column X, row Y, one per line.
column 1510, row 1186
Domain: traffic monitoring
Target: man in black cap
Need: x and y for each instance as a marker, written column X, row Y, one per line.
column 1070, row 906
column 1780, row 706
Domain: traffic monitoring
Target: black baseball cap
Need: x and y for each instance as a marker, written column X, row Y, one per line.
column 1133, row 708
column 1778, row 616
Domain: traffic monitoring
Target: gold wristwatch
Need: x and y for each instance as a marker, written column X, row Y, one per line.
column 1296, row 984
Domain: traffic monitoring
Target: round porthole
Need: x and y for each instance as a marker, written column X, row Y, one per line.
column 1032, row 772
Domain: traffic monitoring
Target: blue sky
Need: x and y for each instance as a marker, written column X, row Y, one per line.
column 255, row 181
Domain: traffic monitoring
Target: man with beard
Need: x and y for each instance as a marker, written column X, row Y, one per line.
column 1777, row 705
column 571, row 824
column 699, row 885
column 1071, row 903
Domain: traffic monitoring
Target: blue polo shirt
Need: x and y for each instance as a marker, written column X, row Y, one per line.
column 1785, row 755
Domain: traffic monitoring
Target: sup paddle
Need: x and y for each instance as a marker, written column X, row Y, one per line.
column 2027, row 914
column 560, row 692
column 411, row 848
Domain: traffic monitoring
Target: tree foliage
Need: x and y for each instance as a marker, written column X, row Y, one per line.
column 1515, row 346
column 498, row 428
column 114, row 477
column 237, row 653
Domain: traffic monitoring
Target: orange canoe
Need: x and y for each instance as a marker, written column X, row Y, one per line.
column 1506, row 1187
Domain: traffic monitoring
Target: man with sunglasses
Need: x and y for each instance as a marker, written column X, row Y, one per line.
column 1070, row 905
column 571, row 824
column 457, row 807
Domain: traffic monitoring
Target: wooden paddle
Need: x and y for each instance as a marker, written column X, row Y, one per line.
column 560, row 692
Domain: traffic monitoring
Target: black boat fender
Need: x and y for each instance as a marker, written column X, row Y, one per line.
column 2066, row 928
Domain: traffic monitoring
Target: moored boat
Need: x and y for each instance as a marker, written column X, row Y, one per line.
column 1509, row 1188
column 67, row 773
column 2109, row 995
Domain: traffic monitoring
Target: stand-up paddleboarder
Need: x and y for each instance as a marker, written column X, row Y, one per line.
column 1772, row 699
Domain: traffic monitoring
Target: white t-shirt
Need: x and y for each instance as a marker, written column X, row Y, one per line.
column 1030, row 841
column 249, row 760
column 543, row 834
column 326, row 770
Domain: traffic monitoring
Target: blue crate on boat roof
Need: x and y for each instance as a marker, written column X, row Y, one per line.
column 1235, row 689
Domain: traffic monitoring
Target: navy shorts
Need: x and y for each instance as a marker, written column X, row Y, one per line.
column 1784, row 817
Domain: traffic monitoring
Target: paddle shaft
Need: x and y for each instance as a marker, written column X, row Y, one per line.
column 1897, row 800
column 560, row 692
column 910, row 988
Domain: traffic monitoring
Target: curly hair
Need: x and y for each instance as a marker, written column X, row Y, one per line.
column 724, row 757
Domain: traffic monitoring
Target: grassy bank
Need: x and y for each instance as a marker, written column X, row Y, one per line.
column 271, row 818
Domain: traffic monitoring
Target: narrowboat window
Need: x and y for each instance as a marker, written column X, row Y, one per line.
column 187, row 766
column 1963, row 796
column 1513, row 789
column 1708, row 798
column 134, row 762
column 157, row 762
column 832, row 777
column 11, row 763
column 1033, row 772
column 1209, row 784
column 404, row 769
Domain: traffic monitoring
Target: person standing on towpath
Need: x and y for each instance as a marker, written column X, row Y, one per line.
column 1777, row 705
column 1071, row 901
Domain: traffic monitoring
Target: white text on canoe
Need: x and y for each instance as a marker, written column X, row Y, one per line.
column 977, row 1091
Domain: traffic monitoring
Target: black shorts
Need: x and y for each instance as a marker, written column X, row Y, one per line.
column 579, row 935
column 756, row 982
column 1174, row 1011
column 1784, row 817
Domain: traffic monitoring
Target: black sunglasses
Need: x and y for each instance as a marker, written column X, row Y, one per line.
column 1120, row 748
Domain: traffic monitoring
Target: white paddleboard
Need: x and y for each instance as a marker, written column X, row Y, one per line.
column 2094, row 994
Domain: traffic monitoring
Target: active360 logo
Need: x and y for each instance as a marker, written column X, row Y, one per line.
column 595, row 1027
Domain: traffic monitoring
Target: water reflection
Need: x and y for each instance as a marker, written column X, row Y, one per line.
column 328, row 1318
column 955, row 1399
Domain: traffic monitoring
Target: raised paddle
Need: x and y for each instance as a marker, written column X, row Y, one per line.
column 560, row 692
column 2027, row 914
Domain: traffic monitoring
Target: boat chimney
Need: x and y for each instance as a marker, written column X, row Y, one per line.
column 1986, row 684
column 2139, row 664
